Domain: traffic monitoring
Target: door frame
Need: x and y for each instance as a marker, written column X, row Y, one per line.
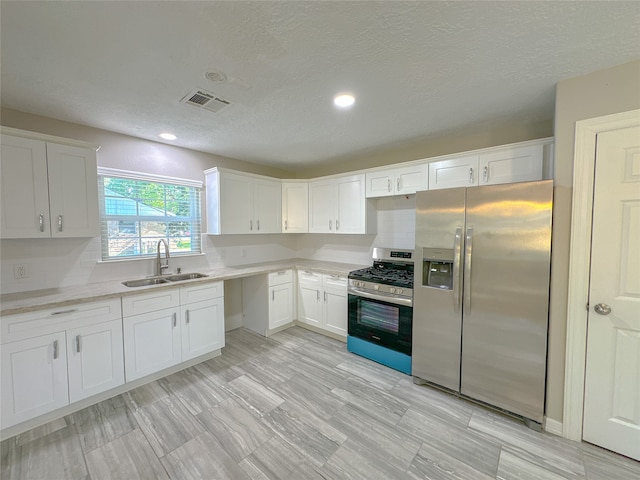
column 580, row 262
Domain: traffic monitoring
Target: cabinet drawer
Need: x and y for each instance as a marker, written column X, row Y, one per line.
column 43, row 322
column 337, row 281
column 200, row 292
column 280, row 277
column 150, row 302
column 307, row 277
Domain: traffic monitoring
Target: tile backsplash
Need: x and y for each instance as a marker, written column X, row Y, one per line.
column 55, row 263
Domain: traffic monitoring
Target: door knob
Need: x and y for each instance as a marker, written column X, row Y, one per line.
column 602, row 309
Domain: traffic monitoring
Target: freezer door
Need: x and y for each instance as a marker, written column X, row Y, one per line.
column 437, row 312
column 506, row 296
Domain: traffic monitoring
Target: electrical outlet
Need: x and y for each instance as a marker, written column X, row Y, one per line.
column 20, row 271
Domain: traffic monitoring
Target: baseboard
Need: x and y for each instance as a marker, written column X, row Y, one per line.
column 553, row 426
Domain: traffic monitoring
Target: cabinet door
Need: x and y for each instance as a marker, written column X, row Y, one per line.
column 73, row 191
column 321, row 213
column 34, row 378
column 236, row 204
column 202, row 328
column 457, row 172
column 335, row 311
column 351, row 216
column 280, row 305
column 151, row 342
column 267, row 206
column 379, row 184
column 409, row 180
column 95, row 359
column 295, row 207
column 25, row 191
column 309, row 299
column 520, row 164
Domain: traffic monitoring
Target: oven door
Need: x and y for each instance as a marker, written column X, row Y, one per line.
column 382, row 322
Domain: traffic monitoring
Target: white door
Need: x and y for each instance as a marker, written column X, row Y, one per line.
column 310, row 302
column 34, row 378
column 267, row 206
column 236, row 204
column 321, row 213
column 409, row 180
column 73, row 191
column 380, row 184
column 280, row 305
column 95, row 359
column 25, row 191
column 612, row 381
column 335, row 312
column 457, row 172
column 151, row 342
column 295, row 207
column 510, row 165
column 350, row 205
column 202, row 328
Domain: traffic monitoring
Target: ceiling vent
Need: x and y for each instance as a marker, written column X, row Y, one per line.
column 200, row 98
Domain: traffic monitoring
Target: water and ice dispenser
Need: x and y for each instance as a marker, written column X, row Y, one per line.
column 437, row 268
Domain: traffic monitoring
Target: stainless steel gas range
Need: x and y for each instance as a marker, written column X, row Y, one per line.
column 381, row 309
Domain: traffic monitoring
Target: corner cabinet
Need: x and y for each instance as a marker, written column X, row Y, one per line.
column 295, row 207
column 339, row 205
column 239, row 203
column 49, row 188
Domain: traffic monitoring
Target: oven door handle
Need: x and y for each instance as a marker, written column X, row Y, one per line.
column 405, row 302
column 457, row 253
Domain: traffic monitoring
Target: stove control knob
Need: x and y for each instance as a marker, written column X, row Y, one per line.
column 399, row 291
column 376, row 287
column 392, row 290
column 361, row 284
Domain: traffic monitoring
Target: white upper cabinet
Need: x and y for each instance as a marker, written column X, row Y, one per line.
column 516, row 164
column 48, row 189
column 339, row 205
column 397, row 181
column 242, row 203
column 295, row 207
column 456, row 172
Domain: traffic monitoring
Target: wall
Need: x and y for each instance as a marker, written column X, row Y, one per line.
column 597, row 94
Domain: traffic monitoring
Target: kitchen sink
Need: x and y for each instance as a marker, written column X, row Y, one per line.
column 144, row 282
column 184, row 276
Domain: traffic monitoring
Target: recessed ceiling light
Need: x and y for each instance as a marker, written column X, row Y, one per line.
column 168, row 136
column 344, row 100
column 216, row 76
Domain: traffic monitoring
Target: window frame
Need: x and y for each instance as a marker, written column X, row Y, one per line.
column 194, row 220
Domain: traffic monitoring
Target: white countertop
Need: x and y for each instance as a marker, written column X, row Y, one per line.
column 13, row 303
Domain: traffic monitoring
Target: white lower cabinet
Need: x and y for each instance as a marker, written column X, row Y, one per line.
column 51, row 358
column 156, row 339
column 323, row 301
column 270, row 294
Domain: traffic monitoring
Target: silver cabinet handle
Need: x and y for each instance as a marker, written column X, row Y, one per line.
column 273, row 295
column 398, row 184
column 325, row 297
column 186, row 316
column 318, row 295
column 41, row 222
column 55, row 349
column 251, row 225
column 602, row 309
column 59, row 223
column 485, row 173
column 175, row 319
column 330, row 224
column 457, row 252
column 286, row 226
column 258, row 224
column 467, row 270
column 62, row 312
column 389, row 184
column 471, row 175
column 77, row 343
column 337, row 225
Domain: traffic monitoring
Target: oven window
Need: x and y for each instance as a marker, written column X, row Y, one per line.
column 379, row 316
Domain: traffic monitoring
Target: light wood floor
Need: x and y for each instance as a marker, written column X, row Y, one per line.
column 296, row 406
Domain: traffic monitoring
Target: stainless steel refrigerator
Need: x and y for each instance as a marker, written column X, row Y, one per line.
column 481, row 293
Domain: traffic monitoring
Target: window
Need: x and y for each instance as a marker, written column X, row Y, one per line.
column 137, row 210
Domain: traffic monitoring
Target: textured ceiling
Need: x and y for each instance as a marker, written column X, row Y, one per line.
column 416, row 68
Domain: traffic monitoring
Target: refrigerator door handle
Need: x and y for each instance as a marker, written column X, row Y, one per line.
column 468, row 249
column 457, row 252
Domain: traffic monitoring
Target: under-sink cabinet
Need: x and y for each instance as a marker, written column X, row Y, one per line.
column 49, row 189
column 51, row 358
column 168, row 326
column 323, row 301
column 268, row 301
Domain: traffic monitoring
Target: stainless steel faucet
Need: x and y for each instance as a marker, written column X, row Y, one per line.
column 159, row 265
